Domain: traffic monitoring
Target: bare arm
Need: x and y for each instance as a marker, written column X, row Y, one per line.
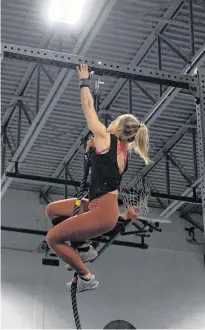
column 96, row 127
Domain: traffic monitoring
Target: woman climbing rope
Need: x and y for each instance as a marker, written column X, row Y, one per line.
column 108, row 164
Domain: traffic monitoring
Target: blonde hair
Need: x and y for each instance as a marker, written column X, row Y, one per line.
column 134, row 133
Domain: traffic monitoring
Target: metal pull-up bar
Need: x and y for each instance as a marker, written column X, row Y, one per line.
column 100, row 67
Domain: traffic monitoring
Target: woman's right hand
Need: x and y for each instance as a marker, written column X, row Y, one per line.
column 83, row 72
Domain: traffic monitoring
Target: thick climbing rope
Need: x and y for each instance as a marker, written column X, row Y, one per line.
column 74, row 301
column 75, row 212
column 77, row 208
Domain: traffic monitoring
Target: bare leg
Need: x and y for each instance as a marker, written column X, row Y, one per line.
column 65, row 208
column 95, row 222
column 61, row 210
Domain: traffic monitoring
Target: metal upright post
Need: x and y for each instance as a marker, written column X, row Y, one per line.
column 194, row 154
column 200, row 115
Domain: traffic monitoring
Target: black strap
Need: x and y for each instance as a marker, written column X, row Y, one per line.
column 84, row 83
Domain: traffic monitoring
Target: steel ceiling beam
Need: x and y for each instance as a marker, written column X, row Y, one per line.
column 166, row 148
column 145, row 91
column 179, row 166
column 172, row 92
column 186, row 209
column 174, row 206
column 88, row 35
column 26, row 78
column 17, row 98
column 184, row 213
column 170, row 155
column 193, row 222
column 191, row 27
column 173, row 47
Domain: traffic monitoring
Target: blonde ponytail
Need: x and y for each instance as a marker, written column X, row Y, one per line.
column 141, row 143
column 133, row 133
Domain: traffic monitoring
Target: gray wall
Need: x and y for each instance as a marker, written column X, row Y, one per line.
column 162, row 287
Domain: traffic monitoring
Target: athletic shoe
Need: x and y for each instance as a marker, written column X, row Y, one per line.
column 90, row 255
column 83, row 285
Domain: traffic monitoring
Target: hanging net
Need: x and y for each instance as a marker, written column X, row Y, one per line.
column 134, row 196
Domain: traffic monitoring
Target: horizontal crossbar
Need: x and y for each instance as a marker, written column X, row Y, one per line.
column 97, row 239
column 27, row 177
column 99, row 66
column 38, row 178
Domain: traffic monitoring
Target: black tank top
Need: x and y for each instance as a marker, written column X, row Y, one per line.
column 105, row 176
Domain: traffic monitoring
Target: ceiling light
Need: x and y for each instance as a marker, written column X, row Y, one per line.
column 66, row 11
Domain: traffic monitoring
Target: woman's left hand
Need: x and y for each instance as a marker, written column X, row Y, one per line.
column 131, row 213
column 90, row 144
column 83, row 72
